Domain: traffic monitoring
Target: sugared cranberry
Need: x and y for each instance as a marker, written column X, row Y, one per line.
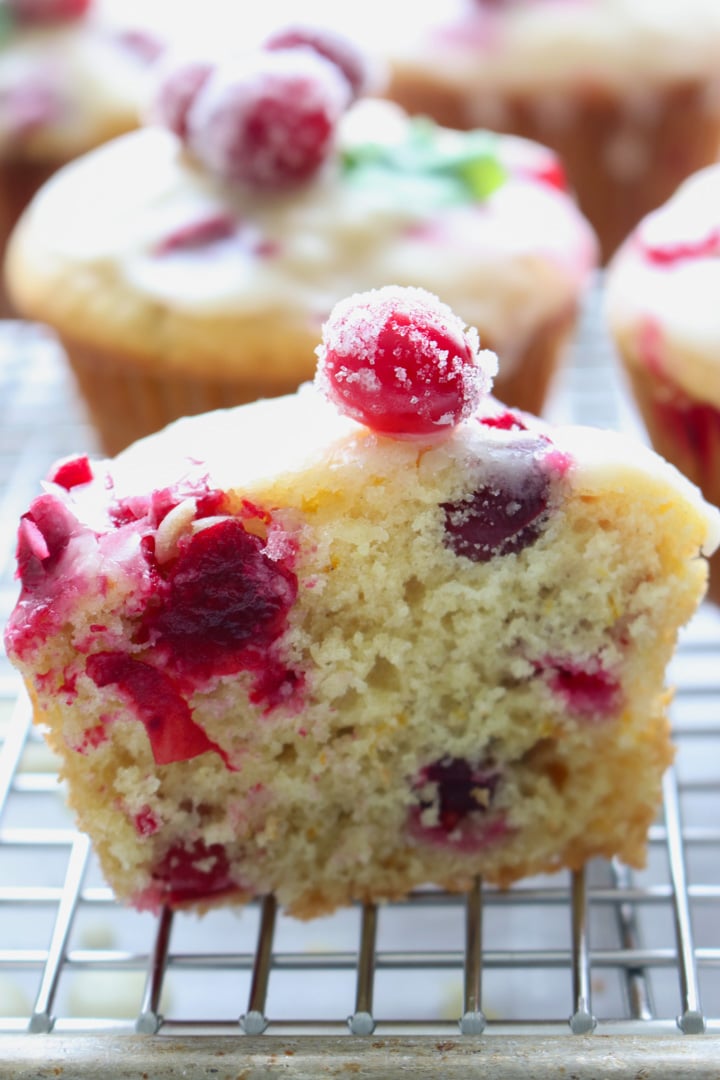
column 37, row 11
column 340, row 50
column 399, row 361
column 72, row 472
column 193, row 872
column 222, row 595
column 173, row 734
column 269, row 122
column 178, row 86
column 509, row 511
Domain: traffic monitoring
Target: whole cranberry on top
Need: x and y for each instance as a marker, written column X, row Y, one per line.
column 401, row 362
column 340, row 50
column 269, row 119
column 40, row 11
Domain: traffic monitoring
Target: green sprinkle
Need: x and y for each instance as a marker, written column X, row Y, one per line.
column 460, row 167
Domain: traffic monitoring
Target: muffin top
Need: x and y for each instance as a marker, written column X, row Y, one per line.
column 71, row 76
column 525, row 44
column 662, row 288
column 483, row 220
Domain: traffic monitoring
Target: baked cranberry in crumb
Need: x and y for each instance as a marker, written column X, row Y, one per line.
column 193, row 872
column 173, row 734
column 334, row 47
column 177, row 88
column 268, row 121
column 72, row 472
column 460, row 789
column 401, row 362
column 35, row 11
column 587, row 690
column 508, row 512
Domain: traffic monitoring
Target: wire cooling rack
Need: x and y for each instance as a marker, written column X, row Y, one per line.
column 602, row 972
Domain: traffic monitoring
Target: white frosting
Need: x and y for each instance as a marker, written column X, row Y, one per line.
column 246, row 446
column 99, row 85
column 505, row 266
column 666, row 312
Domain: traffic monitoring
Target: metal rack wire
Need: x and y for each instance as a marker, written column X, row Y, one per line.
column 605, row 969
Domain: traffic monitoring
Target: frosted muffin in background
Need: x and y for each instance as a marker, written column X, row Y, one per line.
column 72, row 76
column 191, row 264
column 662, row 307
column 626, row 91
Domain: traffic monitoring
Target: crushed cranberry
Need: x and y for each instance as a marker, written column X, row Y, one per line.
column 509, row 512
column 197, row 234
column 176, row 91
column 336, row 48
column 173, row 734
column 155, row 507
column 269, row 123
column 399, row 361
column 43, row 535
column 550, row 172
column 146, row 821
column 72, row 472
column 701, row 247
column 193, row 872
column 141, row 44
column 38, row 11
column 506, row 421
column 222, row 596
column 587, row 689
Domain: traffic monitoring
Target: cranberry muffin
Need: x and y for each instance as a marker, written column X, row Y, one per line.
column 378, row 633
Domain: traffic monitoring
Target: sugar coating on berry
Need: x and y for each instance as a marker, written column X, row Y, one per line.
column 37, row 11
column 178, row 85
column 401, row 362
column 340, row 50
column 268, row 121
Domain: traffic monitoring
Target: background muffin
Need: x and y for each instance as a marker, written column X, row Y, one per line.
column 73, row 74
column 191, row 265
column 662, row 308
column 626, row 91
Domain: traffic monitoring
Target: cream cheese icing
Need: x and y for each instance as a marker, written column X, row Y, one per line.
column 506, row 263
column 663, row 284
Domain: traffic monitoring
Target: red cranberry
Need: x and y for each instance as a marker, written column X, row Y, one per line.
column 587, row 690
column 194, row 871
column 177, row 89
column 340, row 50
column 72, row 472
column 461, row 789
column 173, row 734
column 222, row 595
column 270, row 122
column 399, row 361
column 36, row 11
column 505, row 421
column 507, row 513
column 44, row 533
